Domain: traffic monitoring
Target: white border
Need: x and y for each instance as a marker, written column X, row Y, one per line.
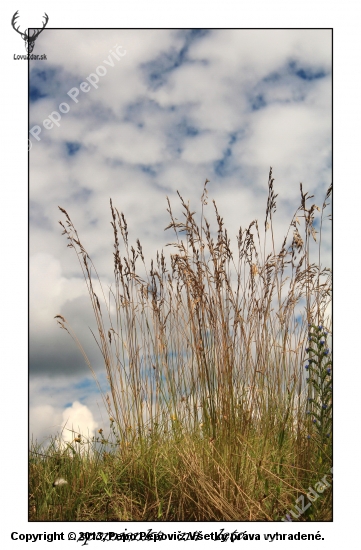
column 13, row 219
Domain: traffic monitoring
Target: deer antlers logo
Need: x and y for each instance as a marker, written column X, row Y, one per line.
column 29, row 40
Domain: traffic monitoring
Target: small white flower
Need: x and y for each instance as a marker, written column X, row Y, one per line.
column 59, row 481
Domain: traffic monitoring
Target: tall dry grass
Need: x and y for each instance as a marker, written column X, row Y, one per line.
column 204, row 355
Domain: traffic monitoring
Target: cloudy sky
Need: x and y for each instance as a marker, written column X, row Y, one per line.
column 135, row 115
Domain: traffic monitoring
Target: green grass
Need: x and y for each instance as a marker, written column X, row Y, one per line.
column 211, row 417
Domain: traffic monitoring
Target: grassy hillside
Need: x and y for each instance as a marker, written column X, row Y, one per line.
column 220, row 379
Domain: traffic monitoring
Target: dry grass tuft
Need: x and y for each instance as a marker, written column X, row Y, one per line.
column 205, row 362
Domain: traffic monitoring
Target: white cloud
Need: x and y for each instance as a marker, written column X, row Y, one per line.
column 49, row 290
column 78, row 419
column 204, row 148
column 286, row 137
column 45, row 421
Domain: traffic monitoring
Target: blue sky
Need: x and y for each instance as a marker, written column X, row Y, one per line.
column 175, row 108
